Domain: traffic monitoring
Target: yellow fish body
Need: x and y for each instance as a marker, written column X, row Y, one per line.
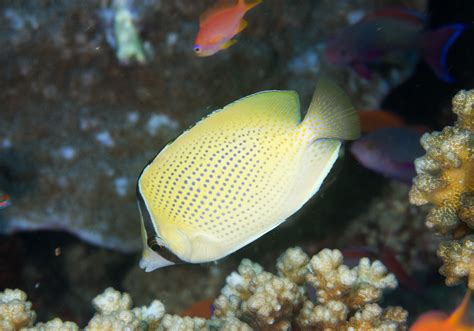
column 239, row 173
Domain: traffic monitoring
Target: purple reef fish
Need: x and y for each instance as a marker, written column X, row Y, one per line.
column 390, row 152
column 5, row 200
column 390, row 36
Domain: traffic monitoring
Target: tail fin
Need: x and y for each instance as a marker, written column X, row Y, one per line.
column 435, row 47
column 460, row 313
column 330, row 114
column 249, row 4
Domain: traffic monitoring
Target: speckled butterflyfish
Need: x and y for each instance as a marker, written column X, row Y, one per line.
column 239, row 173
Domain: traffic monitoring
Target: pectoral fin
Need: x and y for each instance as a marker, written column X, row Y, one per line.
column 242, row 26
column 229, row 43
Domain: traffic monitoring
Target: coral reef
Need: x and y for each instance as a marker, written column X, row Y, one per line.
column 56, row 325
column 392, row 224
column 458, row 258
column 445, row 180
column 310, row 293
column 114, row 312
column 317, row 293
column 123, row 34
column 15, row 311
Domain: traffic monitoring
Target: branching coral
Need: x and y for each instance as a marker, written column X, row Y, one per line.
column 114, row 312
column 15, row 311
column 458, row 257
column 344, row 297
column 178, row 323
column 56, row 325
column 252, row 299
column 446, row 180
column 260, row 297
column 376, row 234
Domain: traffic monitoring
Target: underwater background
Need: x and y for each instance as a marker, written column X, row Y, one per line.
column 92, row 90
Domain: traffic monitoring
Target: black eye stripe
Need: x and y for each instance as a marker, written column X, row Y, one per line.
column 151, row 232
column 163, row 251
column 147, row 221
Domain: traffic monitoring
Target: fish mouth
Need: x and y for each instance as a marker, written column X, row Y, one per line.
column 151, row 260
column 204, row 54
column 199, row 51
column 204, row 51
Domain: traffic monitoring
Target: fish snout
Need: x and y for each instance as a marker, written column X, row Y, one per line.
column 205, row 50
column 197, row 50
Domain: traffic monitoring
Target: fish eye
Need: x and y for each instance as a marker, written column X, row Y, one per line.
column 157, row 245
column 197, row 49
column 154, row 245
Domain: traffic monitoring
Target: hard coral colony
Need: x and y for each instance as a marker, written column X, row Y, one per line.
column 346, row 299
column 446, row 180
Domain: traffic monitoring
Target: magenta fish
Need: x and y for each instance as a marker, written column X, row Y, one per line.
column 5, row 200
column 390, row 152
column 389, row 36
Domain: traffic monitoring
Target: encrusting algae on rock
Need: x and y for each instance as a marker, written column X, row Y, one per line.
column 446, row 180
column 318, row 293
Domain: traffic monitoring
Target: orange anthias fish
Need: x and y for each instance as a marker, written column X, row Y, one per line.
column 438, row 321
column 373, row 119
column 201, row 308
column 220, row 23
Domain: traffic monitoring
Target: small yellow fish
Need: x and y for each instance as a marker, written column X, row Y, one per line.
column 239, row 173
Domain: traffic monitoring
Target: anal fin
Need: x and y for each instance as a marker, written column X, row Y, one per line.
column 229, row 43
column 242, row 26
column 315, row 166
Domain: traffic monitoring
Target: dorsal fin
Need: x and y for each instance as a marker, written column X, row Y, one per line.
column 281, row 108
column 402, row 14
column 218, row 6
column 269, row 106
column 330, row 114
